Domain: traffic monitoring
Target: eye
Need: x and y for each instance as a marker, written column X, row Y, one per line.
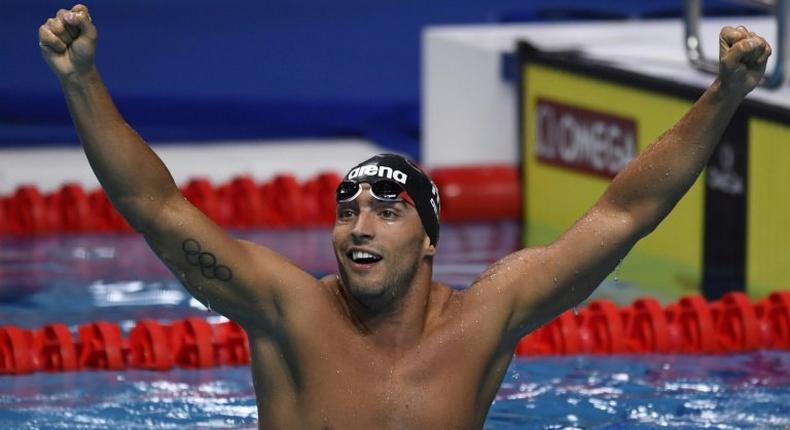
column 388, row 214
column 345, row 214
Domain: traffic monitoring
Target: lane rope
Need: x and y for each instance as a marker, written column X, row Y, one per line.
column 690, row 326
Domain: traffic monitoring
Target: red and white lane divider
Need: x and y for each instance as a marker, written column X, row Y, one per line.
column 690, row 326
column 243, row 203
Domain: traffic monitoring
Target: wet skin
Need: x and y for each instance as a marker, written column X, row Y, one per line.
column 380, row 345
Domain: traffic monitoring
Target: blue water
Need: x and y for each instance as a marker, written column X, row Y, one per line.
column 74, row 279
column 748, row 391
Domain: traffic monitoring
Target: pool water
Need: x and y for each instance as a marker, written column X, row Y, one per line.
column 79, row 278
column 748, row 391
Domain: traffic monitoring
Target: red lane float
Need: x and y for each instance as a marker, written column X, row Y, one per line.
column 189, row 343
column 231, row 346
column 646, row 327
column 602, row 328
column 773, row 314
column 28, row 211
column 560, row 336
column 101, row 346
column 75, row 214
column 478, row 193
column 149, row 346
column 55, row 350
column 243, row 203
column 16, row 351
column 690, row 326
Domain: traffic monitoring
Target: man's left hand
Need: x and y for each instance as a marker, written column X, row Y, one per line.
column 742, row 58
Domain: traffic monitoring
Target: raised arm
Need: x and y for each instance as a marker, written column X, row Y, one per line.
column 543, row 282
column 235, row 278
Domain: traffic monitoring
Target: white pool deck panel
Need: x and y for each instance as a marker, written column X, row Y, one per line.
column 49, row 168
column 470, row 111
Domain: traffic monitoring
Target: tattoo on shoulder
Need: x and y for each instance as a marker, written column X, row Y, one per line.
column 206, row 261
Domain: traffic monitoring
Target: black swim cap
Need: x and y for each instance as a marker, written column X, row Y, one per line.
column 417, row 184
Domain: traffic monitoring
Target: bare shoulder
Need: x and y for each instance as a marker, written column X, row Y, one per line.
column 283, row 290
column 445, row 301
column 449, row 306
column 285, row 274
column 497, row 290
column 531, row 286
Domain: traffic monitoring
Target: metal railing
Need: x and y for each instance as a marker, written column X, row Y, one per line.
column 693, row 16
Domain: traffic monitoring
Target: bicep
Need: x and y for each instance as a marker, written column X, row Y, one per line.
column 537, row 284
column 235, row 278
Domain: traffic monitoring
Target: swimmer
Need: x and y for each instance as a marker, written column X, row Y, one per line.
column 381, row 345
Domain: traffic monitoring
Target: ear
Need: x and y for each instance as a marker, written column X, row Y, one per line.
column 430, row 250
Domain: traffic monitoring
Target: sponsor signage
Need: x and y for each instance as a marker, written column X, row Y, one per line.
column 723, row 173
column 380, row 171
column 583, row 140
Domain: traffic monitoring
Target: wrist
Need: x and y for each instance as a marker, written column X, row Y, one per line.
column 77, row 79
column 722, row 93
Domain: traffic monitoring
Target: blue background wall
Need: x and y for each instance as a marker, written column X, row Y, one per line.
column 198, row 70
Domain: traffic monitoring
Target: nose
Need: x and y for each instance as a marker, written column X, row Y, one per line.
column 363, row 230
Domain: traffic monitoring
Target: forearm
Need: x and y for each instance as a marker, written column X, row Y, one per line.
column 133, row 176
column 650, row 186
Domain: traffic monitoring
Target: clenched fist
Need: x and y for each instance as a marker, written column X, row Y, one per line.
column 742, row 58
column 68, row 42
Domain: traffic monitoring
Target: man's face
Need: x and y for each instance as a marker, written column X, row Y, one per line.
column 378, row 246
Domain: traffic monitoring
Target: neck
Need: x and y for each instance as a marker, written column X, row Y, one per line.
column 398, row 323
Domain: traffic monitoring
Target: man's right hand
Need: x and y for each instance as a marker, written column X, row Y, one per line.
column 68, row 42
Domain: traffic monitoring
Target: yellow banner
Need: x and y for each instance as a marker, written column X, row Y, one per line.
column 598, row 117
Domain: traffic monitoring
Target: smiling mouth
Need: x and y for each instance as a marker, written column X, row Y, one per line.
column 363, row 257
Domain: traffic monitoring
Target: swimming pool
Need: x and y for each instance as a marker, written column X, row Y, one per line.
column 79, row 278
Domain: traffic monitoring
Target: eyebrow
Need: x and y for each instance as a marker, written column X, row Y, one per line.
column 353, row 204
column 379, row 203
column 375, row 203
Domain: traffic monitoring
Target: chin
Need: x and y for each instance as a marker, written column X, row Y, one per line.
column 364, row 288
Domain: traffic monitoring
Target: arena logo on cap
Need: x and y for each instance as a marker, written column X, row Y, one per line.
column 435, row 204
column 380, row 171
column 583, row 140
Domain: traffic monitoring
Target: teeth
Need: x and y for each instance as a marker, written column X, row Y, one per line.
column 361, row 254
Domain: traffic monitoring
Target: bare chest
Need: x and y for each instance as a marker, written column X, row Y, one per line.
column 341, row 380
column 426, row 388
